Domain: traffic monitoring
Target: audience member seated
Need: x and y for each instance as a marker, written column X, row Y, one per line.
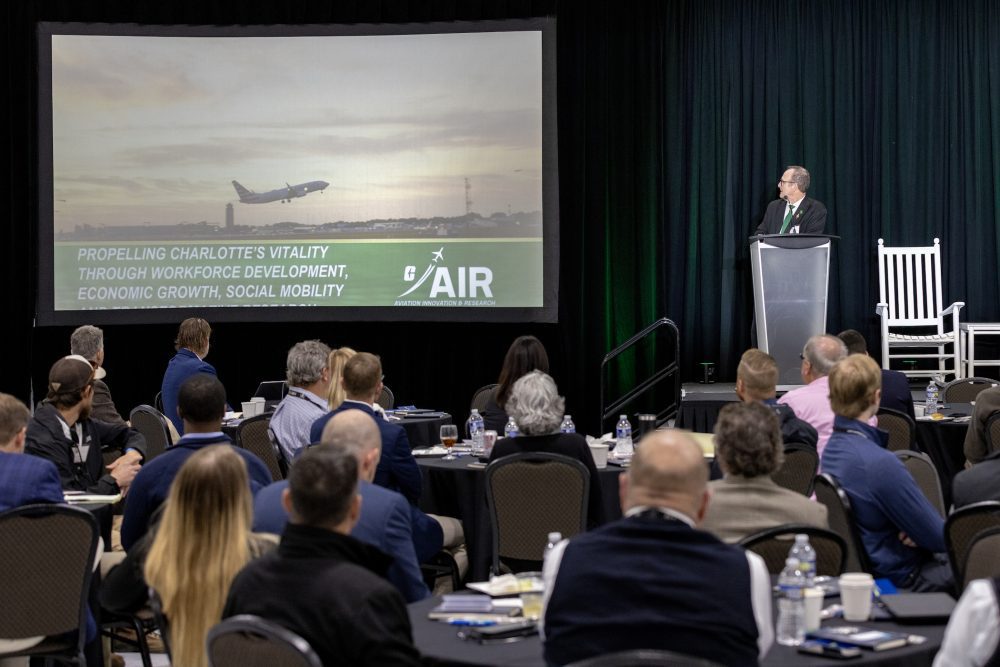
column 987, row 404
column 978, row 483
column 201, row 402
column 896, row 394
column 901, row 531
column 88, row 342
column 63, row 432
column 321, row 583
column 746, row 501
column 24, row 480
column 336, row 395
column 756, row 381
column 201, row 543
column 537, row 408
column 524, row 355
column 811, row 402
column 385, row 520
column 652, row 579
column 192, row 346
column 397, row 469
column 973, row 631
column 308, row 377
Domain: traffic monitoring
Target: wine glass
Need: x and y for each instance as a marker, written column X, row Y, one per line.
column 449, row 436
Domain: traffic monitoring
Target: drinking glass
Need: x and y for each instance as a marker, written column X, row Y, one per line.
column 449, row 436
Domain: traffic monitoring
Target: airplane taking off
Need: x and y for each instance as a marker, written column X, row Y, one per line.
column 281, row 194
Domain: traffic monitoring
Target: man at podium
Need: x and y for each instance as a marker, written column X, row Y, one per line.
column 793, row 212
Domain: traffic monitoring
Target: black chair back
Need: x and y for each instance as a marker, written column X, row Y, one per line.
column 841, row 520
column 902, row 430
column 46, row 566
column 925, row 474
column 251, row 641
column 386, row 398
column 530, row 495
column 482, row 396
column 993, row 432
column 798, row 471
column 961, row 529
column 644, row 656
column 983, row 558
column 252, row 436
column 965, row 390
column 773, row 545
column 153, row 425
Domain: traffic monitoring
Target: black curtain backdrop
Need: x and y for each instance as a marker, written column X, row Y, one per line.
column 675, row 120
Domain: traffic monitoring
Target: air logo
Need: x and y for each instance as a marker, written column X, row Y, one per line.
column 458, row 282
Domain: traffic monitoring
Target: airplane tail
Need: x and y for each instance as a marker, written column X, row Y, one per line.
column 240, row 190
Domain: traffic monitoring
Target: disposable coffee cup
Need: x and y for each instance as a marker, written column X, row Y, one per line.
column 814, row 605
column 599, row 450
column 919, row 410
column 856, row 595
column 489, row 439
column 259, row 405
column 248, row 409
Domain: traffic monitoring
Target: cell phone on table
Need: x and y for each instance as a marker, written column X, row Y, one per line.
column 829, row 649
column 500, row 632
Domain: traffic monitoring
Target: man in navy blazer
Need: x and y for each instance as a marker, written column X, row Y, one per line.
column 385, row 520
column 202, row 403
column 896, row 394
column 192, row 347
column 24, row 479
column 793, row 212
column 397, row 469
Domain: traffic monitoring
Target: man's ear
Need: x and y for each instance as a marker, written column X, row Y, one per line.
column 286, row 500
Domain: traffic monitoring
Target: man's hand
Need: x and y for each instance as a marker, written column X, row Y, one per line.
column 124, row 469
column 905, row 539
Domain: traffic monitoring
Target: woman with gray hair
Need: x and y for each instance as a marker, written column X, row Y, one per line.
column 537, row 407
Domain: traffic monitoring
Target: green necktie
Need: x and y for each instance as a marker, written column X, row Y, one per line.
column 788, row 219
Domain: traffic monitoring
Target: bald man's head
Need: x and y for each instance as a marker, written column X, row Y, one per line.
column 355, row 431
column 668, row 470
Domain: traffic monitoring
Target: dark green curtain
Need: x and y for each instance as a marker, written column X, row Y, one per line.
column 690, row 112
column 676, row 118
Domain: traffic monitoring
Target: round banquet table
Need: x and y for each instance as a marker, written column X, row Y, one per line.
column 439, row 641
column 423, row 431
column 454, row 488
column 943, row 442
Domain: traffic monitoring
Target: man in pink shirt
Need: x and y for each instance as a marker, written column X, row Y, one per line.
column 811, row 403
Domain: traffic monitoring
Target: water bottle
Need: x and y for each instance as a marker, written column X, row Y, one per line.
column 567, row 426
column 806, row 556
column 554, row 539
column 510, row 430
column 623, row 438
column 932, row 398
column 791, row 605
column 474, row 426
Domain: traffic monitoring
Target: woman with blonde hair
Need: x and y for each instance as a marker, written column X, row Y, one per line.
column 202, row 541
column 336, row 362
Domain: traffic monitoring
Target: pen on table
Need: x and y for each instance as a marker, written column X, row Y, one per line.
column 470, row 622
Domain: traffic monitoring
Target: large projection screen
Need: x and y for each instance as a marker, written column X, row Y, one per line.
column 258, row 173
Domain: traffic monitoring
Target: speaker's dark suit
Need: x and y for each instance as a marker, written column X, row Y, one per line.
column 809, row 217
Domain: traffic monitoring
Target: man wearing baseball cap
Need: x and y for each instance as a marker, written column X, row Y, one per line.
column 63, row 432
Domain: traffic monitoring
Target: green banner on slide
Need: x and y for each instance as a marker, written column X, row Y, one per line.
column 474, row 273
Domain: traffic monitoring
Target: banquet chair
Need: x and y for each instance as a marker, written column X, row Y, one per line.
column 962, row 527
column 156, row 606
column 153, row 425
column 386, row 399
column 922, row 469
column 773, row 544
column 901, row 428
column 909, row 288
column 482, row 396
column 983, row 558
column 530, row 495
column 798, row 471
column 993, row 432
column 46, row 567
column 251, row 641
column 841, row 519
column 965, row 390
column 644, row 656
column 252, row 436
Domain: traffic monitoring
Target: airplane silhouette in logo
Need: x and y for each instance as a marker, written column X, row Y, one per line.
column 439, row 254
column 285, row 194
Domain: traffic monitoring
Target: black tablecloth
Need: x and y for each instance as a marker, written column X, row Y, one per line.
column 699, row 414
column 423, row 431
column 440, row 641
column 452, row 488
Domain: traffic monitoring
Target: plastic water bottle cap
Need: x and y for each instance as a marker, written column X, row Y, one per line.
column 555, row 537
column 622, row 416
column 801, row 538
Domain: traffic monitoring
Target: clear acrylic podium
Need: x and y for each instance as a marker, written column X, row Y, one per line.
column 791, row 275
